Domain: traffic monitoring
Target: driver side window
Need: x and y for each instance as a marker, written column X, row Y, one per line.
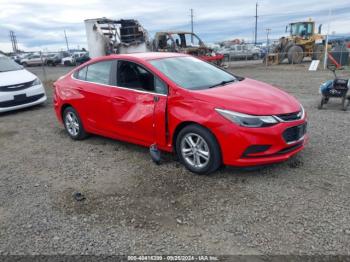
column 134, row 76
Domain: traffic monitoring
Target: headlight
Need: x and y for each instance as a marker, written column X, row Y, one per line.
column 247, row 120
column 36, row 82
column 302, row 111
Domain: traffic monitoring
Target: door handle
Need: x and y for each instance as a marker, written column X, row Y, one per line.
column 156, row 99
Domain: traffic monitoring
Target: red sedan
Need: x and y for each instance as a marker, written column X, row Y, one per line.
column 178, row 103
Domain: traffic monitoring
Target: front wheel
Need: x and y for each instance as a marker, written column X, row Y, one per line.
column 198, row 150
column 295, row 55
column 73, row 124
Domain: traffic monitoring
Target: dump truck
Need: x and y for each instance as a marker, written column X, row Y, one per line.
column 302, row 42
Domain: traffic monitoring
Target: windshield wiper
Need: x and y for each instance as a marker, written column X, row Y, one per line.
column 223, row 83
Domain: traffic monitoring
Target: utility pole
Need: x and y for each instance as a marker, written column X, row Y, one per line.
column 268, row 31
column 191, row 25
column 256, row 22
column 13, row 42
column 325, row 59
column 65, row 36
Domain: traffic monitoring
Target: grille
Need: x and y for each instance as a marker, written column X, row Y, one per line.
column 294, row 133
column 21, row 100
column 16, row 87
column 290, row 116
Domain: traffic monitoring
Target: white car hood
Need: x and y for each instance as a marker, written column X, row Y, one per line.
column 16, row 77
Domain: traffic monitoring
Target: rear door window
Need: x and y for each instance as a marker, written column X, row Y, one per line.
column 81, row 74
column 99, row 72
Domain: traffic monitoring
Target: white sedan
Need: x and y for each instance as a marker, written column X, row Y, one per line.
column 18, row 87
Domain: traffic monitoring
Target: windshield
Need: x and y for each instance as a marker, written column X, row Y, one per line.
column 7, row 64
column 301, row 29
column 192, row 73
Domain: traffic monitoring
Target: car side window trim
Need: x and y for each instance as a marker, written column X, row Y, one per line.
column 113, row 79
column 74, row 75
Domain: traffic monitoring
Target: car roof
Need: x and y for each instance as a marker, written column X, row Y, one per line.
column 149, row 55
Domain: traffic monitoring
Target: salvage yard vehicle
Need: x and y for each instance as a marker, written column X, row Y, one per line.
column 108, row 36
column 126, row 36
column 18, row 87
column 302, row 42
column 237, row 52
column 76, row 58
column 33, row 60
column 187, row 43
column 178, row 103
column 52, row 59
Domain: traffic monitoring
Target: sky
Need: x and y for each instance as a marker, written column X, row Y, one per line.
column 40, row 25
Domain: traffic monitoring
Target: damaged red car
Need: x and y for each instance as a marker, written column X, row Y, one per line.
column 177, row 103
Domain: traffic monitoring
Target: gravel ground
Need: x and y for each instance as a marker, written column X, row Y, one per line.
column 135, row 207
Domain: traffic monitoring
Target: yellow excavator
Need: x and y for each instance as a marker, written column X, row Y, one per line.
column 302, row 42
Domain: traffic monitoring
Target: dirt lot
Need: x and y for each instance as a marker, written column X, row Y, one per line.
column 135, row 207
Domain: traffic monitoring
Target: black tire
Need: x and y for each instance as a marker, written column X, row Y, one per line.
column 24, row 64
column 214, row 161
column 345, row 103
column 67, row 63
column 81, row 133
column 295, row 55
column 255, row 57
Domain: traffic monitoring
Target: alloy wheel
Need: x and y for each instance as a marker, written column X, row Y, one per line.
column 72, row 124
column 195, row 150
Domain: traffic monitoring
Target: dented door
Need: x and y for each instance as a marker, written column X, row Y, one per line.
column 139, row 116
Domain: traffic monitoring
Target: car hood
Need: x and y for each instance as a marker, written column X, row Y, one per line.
column 16, row 77
column 251, row 97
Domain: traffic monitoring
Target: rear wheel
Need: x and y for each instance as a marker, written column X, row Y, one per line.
column 73, row 124
column 24, row 64
column 295, row 55
column 198, row 150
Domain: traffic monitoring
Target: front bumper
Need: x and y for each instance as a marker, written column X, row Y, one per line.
column 31, row 96
column 235, row 140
